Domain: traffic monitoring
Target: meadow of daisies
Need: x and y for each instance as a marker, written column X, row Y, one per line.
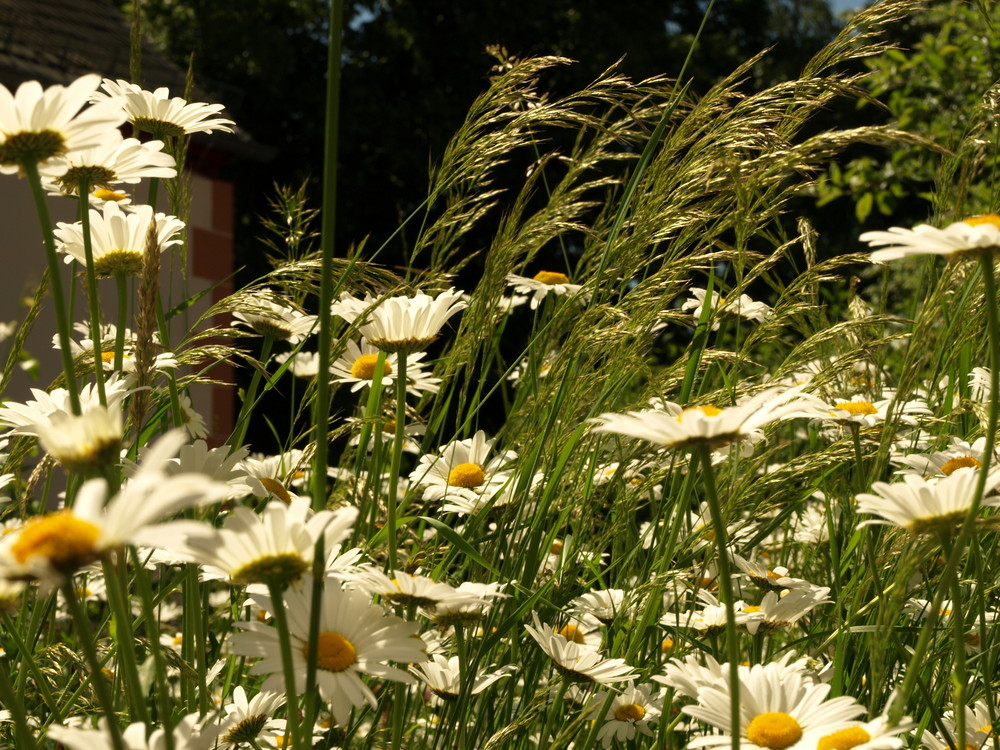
column 643, row 471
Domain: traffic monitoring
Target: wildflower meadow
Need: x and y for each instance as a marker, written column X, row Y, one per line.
column 646, row 470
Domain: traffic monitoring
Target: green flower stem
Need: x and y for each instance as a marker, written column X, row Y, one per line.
column 164, row 702
column 115, row 576
column 311, row 695
column 293, row 738
column 92, row 299
column 58, row 298
column 372, row 408
column 960, row 674
column 121, row 288
column 397, row 456
column 898, row 706
column 84, row 634
column 554, row 710
column 194, row 593
column 725, row 590
column 321, row 405
column 243, row 420
column 8, row 698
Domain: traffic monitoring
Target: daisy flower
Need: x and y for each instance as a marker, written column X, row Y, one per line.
column 443, row 677
column 778, row 706
column 776, row 579
column 578, row 663
column 188, row 734
column 711, row 618
column 710, row 425
column 276, row 545
column 127, row 161
column 40, row 126
column 401, row 323
column 860, row 412
column 302, row 364
column 779, row 611
column 465, row 469
column 84, row 348
column 46, row 408
column 84, row 442
column 221, row 464
column 605, row 604
column 52, row 546
column 268, row 317
column 978, row 730
column 118, row 238
column 476, row 599
column 962, row 239
column 355, row 638
column 543, row 284
column 943, row 463
column 878, row 734
column 157, row 113
column 356, row 365
column 630, row 713
column 251, row 721
column 743, row 307
column 924, row 505
column 409, row 590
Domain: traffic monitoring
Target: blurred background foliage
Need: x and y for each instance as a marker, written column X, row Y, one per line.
column 412, row 69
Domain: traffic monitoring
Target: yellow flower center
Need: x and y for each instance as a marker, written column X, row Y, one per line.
column 667, row 645
column 774, row 730
column 556, row 548
column 630, row 712
column 949, row 467
column 469, row 476
column 67, row 542
column 109, row 195
column 551, row 277
column 277, row 489
column 845, row 739
column 107, row 357
column 389, row 428
column 122, row 260
column 975, row 221
column 571, row 633
column 286, row 567
column 335, row 653
column 751, row 609
column 857, row 407
column 31, row 146
column 364, row 367
column 708, row 410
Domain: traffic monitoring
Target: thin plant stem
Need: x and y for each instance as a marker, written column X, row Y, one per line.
column 121, row 289
column 55, row 279
column 92, row 298
column 292, row 734
column 164, row 701
column 115, row 578
column 725, row 590
column 321, row 404
column 84, row 633
column 396, row 459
